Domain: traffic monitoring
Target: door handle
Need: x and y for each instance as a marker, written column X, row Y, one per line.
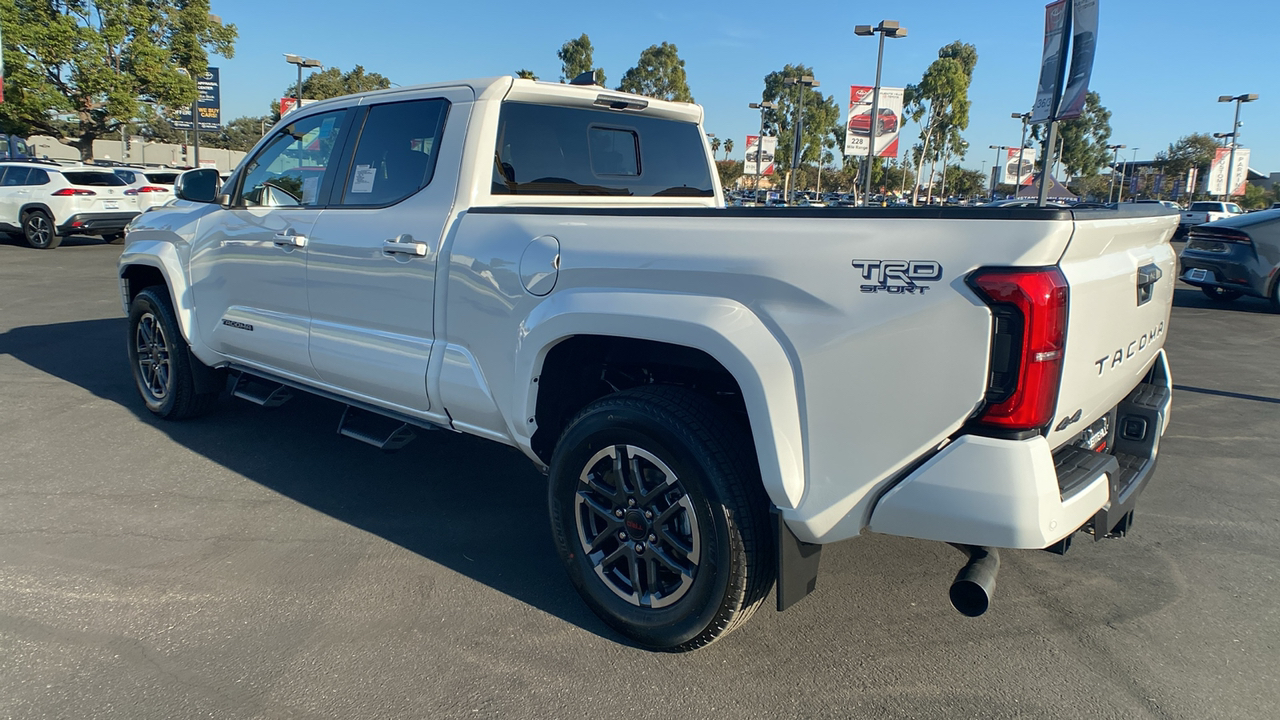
column 404, row 245
column 289, row 240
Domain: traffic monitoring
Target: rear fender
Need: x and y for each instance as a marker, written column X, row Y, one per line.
column 724, row 329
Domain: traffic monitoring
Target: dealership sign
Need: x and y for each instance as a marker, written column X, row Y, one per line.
column 1019, row 166
column 768, row 150
column 862, row 133
column 1069, row 25
column 209, row 104
column 1218, row 171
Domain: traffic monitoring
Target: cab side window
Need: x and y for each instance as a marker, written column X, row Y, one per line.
column 396, row 153
column 290, row 169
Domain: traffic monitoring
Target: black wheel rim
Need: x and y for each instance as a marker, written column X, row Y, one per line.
column 152, row 353
column 637, row 526
column 38, row 230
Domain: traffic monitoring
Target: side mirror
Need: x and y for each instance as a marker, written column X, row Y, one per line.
column 199, row 185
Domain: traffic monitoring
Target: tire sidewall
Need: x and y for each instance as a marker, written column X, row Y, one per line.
column 27, row 232
column 625, row 423
column 148, row 302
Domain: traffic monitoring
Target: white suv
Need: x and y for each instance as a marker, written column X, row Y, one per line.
column 155, row 187
column 47, row 202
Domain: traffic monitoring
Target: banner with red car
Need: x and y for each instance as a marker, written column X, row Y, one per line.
column 861, row 132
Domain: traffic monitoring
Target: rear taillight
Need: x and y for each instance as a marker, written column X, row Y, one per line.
column 1222, row 234
column 152, row 189
column 64, row 192
column 1029, row 334
column 130, row 191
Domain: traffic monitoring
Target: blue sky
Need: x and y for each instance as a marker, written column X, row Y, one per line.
column 1160, row 66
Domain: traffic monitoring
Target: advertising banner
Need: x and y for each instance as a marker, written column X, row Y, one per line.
column 766, row 156
column 1192, row 176
column 209, row 104
column 1018, row 170
column 1157, row 183
column 288, row 103
column 1055, row 34
column 1218, row 171
column 1084, row 35
column 1177, row 188
column 861, row 133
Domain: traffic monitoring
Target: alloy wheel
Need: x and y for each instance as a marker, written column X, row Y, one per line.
column 153, row 357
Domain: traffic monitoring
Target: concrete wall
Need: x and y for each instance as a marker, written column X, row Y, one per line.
column 140, row 153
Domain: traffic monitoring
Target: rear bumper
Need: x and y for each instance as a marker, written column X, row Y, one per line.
column 95, row 223
column 1222, row 270
column 1021, row 494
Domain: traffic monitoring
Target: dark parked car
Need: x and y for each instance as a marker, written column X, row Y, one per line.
column 1236, row 256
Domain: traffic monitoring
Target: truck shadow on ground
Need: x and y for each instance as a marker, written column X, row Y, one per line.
column 467, row 504
column 1186, row 296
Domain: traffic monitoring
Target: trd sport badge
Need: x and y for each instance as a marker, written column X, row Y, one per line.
column 898, row 277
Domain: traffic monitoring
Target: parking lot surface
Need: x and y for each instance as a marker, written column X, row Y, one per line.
column 253, row 564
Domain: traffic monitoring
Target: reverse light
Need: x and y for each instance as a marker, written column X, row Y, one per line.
column 1029, row 332
column 64, row 192
column 130, row 192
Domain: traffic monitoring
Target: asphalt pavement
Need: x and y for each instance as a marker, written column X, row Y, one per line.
column 254, row 564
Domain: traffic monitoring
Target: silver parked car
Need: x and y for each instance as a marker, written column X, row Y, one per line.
column 1236, row 256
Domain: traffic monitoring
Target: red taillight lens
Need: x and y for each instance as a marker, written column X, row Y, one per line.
column 64, row 192
column 1030, row 334
column 152, row 188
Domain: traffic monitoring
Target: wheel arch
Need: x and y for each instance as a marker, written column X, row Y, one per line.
column 147, row 263
column 713, row 343
column 27, row 208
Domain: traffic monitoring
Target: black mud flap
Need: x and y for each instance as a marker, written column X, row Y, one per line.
column 797, row 564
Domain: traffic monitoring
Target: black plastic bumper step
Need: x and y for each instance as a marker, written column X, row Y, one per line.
column 379, row 431
column 261, row 392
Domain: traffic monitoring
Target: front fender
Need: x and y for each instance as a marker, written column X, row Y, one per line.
column 724, row 329
column 163, row 256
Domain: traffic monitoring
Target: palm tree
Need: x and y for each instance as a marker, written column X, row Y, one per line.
column 715, row 147
column 728, row 147
column 526, row 74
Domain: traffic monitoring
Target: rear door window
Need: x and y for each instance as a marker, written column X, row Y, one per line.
column 550, row 150
column 14, row 176
column 37, row 177
column 396, row 153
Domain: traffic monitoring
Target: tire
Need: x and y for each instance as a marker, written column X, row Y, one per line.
column 1218, row 294
column 38, row 229
column 114, row 239
column 160, row 360
column 700, row 562
column 1275, row 297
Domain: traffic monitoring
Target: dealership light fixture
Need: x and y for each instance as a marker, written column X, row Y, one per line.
column 301, row 62
column 886, row 28
column 1235, row 135
column 762, row 107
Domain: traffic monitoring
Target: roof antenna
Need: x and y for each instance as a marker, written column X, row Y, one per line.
column 586, row 78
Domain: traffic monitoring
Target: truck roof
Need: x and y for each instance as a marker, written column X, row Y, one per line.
column 516, row 89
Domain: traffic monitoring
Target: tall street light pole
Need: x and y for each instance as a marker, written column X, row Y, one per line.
column 762, row 107
column 892, row 29
column 1124, row 176
column 301, row 62
column 797, row 149
column 1115, row 160
column 1022, row 146
column 995, row 169
column 1235, row 136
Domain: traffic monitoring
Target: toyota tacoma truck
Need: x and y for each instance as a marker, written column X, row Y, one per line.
column 714, row 393
column 1205, row 211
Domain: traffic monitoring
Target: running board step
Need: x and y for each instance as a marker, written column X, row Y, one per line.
column 261, row 392
column 379, row 431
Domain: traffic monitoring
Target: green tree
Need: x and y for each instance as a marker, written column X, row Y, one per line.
column 964, row 182
column 730, row 171
column 239, row 134
column 1190, row 151
column 728, row 147
column 332, row 82
column 821, row 116
column 576, row 58
column 1083, row 139
column 526, row 74
column 659, row 73
column 79, row 70
column 940, row 103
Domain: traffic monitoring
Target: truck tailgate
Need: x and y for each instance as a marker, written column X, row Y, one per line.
column 1121, row 272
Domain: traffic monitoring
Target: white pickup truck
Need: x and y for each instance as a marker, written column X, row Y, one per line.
column 715, row 393
column 1204, row 211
